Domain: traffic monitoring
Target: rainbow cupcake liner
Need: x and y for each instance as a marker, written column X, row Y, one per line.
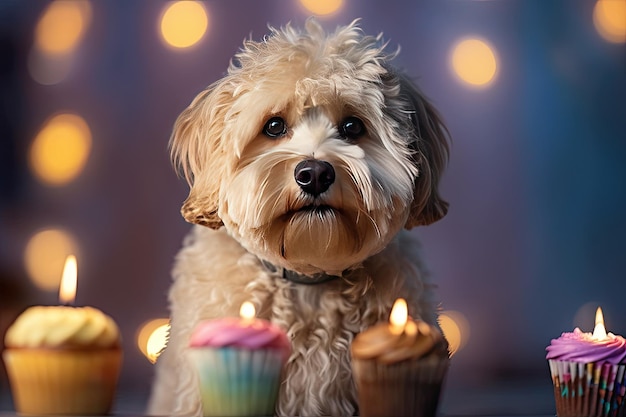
column 407, row 388
column 237, row 381
column 588, row 389
column 63, row 382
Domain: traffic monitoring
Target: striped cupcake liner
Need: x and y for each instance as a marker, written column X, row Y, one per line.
column 407, row 388
column 237, row 381
column 595, row 389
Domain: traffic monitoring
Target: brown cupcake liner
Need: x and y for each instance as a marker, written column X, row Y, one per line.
column 595, row 389
column 54, row 381
column 407, row 388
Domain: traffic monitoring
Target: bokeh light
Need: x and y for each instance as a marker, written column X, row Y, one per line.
column 184, row 23
column 474, row 62
column 58, row 33
column 455, row 328
column 322, row 7
column 60, row 150
column 62, row 26
column 152, row 338
column 48, row 69
column 45, row 255
column 609, row 18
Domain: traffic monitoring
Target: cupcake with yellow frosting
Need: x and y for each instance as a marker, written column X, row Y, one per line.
column 63, row 360
column 399, row 368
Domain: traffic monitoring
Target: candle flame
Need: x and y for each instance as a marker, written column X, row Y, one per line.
column 599, row 331
column 67, row 291
column 247, row 311
column 398, row 317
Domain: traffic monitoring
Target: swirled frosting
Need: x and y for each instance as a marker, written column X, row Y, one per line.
column 243, row 333
column 581, row 347
column 379, row 342
column 63, row 327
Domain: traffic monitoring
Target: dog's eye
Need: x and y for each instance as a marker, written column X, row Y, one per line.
column 352, row 128
column 275, row 127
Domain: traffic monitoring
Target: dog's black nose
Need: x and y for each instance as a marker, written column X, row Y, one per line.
column 314, row 176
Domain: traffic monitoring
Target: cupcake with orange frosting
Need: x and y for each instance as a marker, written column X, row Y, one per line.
column 399, row 367
column 239, row 363
column 63, row 360
column 588, row 372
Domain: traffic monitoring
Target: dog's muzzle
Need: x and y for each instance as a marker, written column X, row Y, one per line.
column 314, row 176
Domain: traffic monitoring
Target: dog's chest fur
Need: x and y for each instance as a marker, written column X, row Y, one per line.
column 214, row 275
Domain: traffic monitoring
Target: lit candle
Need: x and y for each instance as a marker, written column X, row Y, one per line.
column 386, row 336
column 570, row 345
column 599, row 331
column 398, row 317
column 67, row 289
column 247, row 313
column 399, row 322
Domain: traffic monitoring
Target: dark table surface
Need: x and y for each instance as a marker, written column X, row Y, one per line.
column 508, row 398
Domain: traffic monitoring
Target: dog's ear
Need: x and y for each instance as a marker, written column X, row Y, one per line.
column 197, row 151
column 431, row 155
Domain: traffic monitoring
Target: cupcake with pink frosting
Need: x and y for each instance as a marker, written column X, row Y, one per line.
column 239, row 362
column 588, row 373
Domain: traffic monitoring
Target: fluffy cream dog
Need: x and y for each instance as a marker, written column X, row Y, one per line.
column 306, row 162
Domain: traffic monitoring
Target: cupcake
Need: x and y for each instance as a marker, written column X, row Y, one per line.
column 63, row 360
column 239, row 363
column 399, row 368
column 588, row 372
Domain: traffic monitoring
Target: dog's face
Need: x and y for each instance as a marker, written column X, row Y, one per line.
column 311, row 151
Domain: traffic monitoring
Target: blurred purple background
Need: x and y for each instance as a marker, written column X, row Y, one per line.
column 535, row 235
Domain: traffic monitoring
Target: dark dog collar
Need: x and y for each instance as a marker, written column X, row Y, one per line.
column 293, row 276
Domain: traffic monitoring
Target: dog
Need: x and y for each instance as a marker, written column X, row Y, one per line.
column 307, row 164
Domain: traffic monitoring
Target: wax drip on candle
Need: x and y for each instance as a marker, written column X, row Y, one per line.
column 67, row 290
column 599, row 331
column 398, row 317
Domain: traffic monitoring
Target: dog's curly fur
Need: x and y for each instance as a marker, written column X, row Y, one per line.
column 252, row 213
